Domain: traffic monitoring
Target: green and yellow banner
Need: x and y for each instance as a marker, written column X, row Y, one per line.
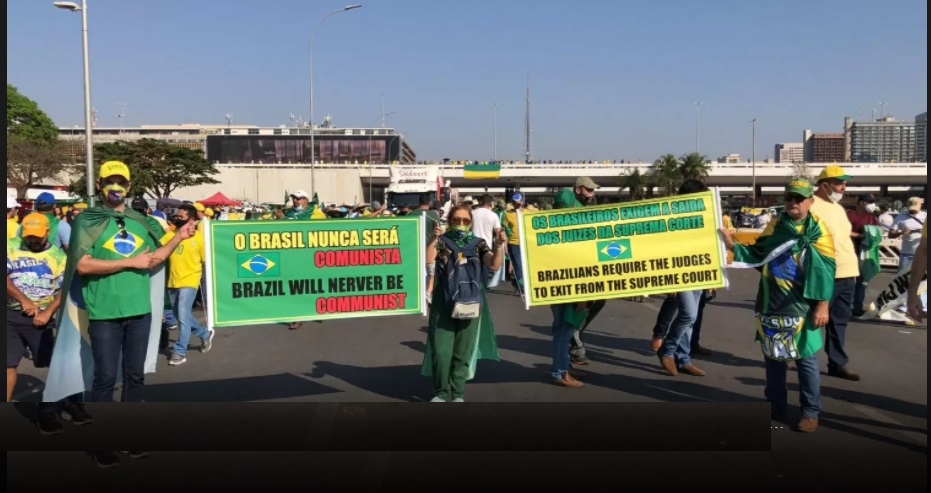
column 652, row 246
column 291, row 271
column 481, row 171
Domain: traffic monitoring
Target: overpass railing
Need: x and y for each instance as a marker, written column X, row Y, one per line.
column 574, row 166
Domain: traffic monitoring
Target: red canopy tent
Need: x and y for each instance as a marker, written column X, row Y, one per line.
column 218, row 199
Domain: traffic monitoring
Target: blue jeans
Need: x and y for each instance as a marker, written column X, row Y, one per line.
column 859, row 295
column 514, row 257
column 667, row 313
column 836, row 330
column 182, row 302
column 677, row 343
column 170, row 318
column 562, row 335
column 108, row 339
column 809, row 383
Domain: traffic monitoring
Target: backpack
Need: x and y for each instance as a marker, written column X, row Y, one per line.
column 463, row 279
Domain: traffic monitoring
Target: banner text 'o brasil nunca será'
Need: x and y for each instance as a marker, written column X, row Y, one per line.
column 263, row 272
column 620, row 250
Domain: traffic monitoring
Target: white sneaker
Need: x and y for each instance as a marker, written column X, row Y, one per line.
column 437, row 399
column 177, row 359
column 458, row 399
column 208, row 343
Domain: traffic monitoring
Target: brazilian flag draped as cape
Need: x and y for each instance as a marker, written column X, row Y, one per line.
column 486, row 347
column 869, row 253
column 798, row 270
column 72, row 368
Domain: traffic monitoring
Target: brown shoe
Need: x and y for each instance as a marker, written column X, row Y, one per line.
column 567, row 381
column 669, row 364
column 807, row 425
column 657, row 343
column 295, row 325
column 845, row 374
column 693, row 370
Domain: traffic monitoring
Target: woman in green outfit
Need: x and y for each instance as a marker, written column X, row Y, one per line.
column 454, row 346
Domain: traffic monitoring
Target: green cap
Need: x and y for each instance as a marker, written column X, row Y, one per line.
column 800, row 186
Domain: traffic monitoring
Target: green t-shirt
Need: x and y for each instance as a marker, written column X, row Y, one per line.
column 126, row 293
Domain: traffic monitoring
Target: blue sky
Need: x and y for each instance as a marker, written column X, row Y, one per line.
column 609, row 79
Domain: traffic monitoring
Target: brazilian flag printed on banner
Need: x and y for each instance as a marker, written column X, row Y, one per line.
column 481, row 171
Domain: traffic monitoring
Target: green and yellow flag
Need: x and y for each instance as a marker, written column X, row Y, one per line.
column 481, row 171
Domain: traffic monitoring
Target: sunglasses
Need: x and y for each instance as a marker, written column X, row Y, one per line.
column 460, row 221
column 120, row 223
column 795, row 198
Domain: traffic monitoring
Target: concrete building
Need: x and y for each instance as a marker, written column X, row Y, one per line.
column 883, row 140
column 249, row 143
column 732, row 158
column 921, row 138
column 823, row 147
column 790, row 153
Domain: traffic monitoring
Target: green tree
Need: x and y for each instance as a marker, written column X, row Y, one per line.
column 635, row 182
column 666, row 174
column 33, row 152
column 694, row 166
column 158, row 168
column 26, row 120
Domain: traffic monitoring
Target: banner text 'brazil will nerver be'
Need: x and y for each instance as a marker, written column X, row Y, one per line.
column 652, row 246
column 288, row 271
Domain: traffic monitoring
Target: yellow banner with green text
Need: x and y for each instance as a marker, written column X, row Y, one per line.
column 654, row 246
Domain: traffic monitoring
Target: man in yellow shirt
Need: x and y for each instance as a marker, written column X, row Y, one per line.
column 510, row 226
column 185, row 269
column 12, row 224
column 832, row 183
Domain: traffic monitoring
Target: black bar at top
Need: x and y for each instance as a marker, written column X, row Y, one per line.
column 401, row 427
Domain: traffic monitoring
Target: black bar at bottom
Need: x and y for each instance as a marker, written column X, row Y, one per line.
column 401, row 427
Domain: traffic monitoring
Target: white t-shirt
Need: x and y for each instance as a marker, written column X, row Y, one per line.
column 484, row 222
column 910, row 241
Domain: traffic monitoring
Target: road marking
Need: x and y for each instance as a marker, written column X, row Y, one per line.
column 912, row 436
column 682, row 394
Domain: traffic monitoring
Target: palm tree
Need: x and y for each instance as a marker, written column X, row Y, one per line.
column 635, row 182
column 694, row 166
column 666, row 175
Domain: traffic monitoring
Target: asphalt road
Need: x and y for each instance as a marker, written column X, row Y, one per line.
column 379, row 360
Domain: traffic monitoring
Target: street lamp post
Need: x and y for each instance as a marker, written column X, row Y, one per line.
column 753, row 159
column 698, row 127
column 495, row 106
column 310, row 49
column 88, row 121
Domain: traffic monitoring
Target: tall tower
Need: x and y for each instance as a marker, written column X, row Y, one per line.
column 527, row 154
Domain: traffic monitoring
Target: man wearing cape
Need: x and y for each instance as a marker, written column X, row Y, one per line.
column 795, row 255
column 114, row 291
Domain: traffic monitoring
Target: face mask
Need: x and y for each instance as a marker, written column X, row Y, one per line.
column 180, row 222
column 114, row 193
column 298, row 207
column 585, row 200
column 836, row 197
column 871, row 207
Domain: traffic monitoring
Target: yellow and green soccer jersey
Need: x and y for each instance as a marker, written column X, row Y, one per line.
column 38, row 275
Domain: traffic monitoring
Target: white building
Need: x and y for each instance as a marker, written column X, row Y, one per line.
column 790, row 153
column 921, row 138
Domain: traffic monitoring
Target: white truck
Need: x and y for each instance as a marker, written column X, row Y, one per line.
column 409, row 183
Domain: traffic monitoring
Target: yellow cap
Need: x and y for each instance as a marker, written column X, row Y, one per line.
column 200, row 207
column 35, row 224
column 833, row 172
column 208, row 212
column 114, row 168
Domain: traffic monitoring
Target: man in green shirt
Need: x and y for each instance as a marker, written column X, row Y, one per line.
column 300, row 207
column 115, row 248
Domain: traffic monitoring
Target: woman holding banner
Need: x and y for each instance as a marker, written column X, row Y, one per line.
column 460, row 330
